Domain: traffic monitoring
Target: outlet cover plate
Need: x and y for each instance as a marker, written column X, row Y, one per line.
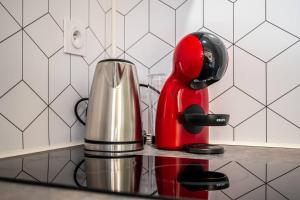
column 74, row 37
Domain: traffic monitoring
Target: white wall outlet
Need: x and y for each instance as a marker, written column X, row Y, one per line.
column 74, row 37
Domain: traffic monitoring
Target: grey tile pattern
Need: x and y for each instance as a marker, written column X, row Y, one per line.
column 262, row 44
column 39, row 83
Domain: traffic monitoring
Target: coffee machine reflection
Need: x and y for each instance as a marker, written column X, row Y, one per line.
column 115, row 174
column 187, row 178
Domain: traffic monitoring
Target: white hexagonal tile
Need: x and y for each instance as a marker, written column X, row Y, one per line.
column 13, row 136
column 118, row 52
column 221, row 134
column 146, row 52
column 250, row 74
column 164, row 66
column 97, row 20
column 14, row 8
column 60, row 9
column 145, row 123
column 283, row 73
column 277, row 126
column 174, row 3
column 290, row 190
column 7, row 23
column 21, row 105
column 59, row 132
column 189, row 18
column 36, row 135
column 59, row 74
column 218, row 17
column 237, row 104
column 136, row 23
column 105, row 4
column 79, row 75
column 33, row 9
column 287, row 106
column 64, row 105
column 162, row 21
column 77, row 132
column 108, row 28
column 143, row 106
column 37, row 166
column 226, row 82
column 244, row 19
column 225, row 42
column 286, row 15
column 35, row 68
column 252, row 130
column 93, row 49
column 10, row 62
column 263, row 41
column 124, row 6
column 142, row 70
column 46, row 34
column 80, row 11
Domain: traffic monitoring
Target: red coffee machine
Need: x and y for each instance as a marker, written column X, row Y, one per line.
column 182, row 120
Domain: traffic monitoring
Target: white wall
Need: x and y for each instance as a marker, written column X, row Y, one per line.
column 39, row 84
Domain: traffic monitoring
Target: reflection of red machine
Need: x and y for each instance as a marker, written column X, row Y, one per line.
column 187, row 178
column 200, row 59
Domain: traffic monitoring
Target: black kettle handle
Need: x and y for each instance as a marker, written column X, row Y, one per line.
column 204, row 120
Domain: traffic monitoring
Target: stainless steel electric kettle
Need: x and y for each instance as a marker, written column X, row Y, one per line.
column 113, row 118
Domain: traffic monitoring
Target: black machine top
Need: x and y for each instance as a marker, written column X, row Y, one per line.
column 215, row 60
column 156, row 176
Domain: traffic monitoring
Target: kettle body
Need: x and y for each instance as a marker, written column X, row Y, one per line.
column 113, row 117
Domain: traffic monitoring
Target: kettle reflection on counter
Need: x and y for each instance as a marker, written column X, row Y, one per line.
column 174, row 177
column 120, row 174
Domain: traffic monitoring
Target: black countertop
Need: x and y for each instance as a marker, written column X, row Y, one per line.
column 157, row 176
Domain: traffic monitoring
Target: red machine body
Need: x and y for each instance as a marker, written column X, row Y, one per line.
column 170, row 134
column 167, row 174
column 194, row 68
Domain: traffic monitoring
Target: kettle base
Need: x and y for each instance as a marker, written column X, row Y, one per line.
column 101, row 148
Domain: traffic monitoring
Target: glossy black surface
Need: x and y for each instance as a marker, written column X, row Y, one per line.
column 215, row 60
column 158, row 176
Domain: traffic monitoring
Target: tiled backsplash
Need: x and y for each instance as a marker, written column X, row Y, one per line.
column 260, row 90
column 39, row 84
